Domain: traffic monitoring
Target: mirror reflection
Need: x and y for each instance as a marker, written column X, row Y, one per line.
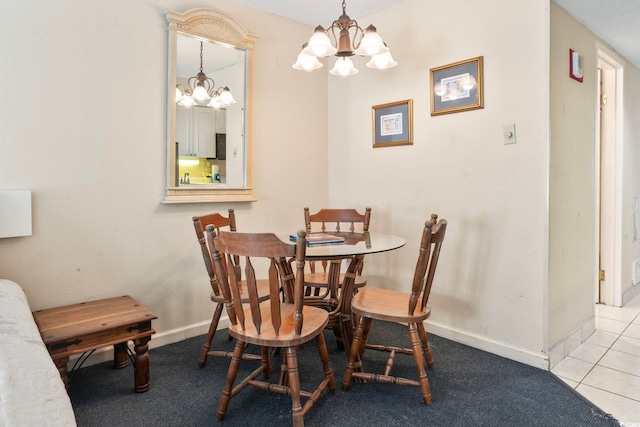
column 209, row 113
column 208, row 135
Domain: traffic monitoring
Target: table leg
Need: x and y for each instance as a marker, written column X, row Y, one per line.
column 142, row 378
column 333, row 282
column 346, row 295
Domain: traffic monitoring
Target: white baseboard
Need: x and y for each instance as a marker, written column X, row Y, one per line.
column 483, row 343
column 464, row 337
column 630, row 294
column 570, row 342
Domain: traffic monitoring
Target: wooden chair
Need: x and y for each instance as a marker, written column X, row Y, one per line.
column 394, row 306
column 271, row 323
column 332, row 221
column 328, row 221
column 219, row 222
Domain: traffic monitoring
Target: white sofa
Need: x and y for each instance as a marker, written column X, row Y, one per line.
column 31, row 391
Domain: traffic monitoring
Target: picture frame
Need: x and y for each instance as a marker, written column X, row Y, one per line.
column 457, row 87
column 393, row 123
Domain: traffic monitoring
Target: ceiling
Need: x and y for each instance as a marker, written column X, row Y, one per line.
column 617, row 22
column 319, row 12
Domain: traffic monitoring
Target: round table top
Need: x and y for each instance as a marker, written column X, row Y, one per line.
column 355, row 244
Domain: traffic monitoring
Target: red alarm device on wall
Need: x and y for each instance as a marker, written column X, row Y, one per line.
column 575, row 65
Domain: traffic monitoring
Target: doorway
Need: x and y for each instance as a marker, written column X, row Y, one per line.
column 608, row 286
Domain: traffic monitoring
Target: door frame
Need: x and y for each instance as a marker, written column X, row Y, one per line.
column 612, row 74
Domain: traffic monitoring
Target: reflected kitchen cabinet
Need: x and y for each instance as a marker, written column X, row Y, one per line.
column 196, row 131
column 221, row 121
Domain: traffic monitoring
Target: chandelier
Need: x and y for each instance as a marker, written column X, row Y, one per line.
column 344, row 38
column 201, row 91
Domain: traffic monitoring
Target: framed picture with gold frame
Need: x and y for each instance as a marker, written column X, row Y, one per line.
column 457, row 87
column 393, row 124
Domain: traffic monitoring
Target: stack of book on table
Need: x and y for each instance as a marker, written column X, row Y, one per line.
column 320, row 239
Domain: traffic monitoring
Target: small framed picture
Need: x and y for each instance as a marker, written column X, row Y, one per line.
column 457, row 87
column 393, row 124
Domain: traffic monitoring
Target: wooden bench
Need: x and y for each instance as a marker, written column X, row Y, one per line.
column 83, row 327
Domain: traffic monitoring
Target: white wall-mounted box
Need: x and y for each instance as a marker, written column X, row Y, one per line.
column 15, row 213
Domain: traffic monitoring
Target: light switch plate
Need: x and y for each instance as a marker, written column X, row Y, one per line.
column 509, row 134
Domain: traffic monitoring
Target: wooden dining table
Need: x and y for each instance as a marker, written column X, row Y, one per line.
column 354, row 248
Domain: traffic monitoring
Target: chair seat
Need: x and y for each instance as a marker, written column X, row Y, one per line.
column 320, row 280
column 386, row 304
column 263, row 292
column 315, row 320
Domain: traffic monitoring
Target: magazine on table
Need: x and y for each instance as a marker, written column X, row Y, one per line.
column 319, row 239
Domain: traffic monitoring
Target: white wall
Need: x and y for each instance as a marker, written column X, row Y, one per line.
column 630, row 177
column 490, row 287
column 573, row 174
column 75, row 133
column 83, row 95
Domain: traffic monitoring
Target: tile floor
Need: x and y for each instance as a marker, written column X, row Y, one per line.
column 606, row 367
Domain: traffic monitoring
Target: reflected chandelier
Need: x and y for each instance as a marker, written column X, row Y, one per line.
column 351, row 40
column 201, row 92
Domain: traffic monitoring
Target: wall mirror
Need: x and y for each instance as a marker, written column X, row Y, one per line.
column 208, row 138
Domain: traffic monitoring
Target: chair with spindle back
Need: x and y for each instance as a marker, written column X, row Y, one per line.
column 400, row 307
column 273, row 323
column 219, row 222
column 338, row 221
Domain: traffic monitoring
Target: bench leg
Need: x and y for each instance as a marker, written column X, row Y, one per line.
column 142, row 378
column 61, row 364
column 120, row 356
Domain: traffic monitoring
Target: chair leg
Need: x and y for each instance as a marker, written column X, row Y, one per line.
column 365, row 335
column 324, row 356
column 425, row 345
column 283, row 369
column 212, row 331
column 417, row 355
column 231, row 377
column 356, row 347
column 266, row 362
column 294, row 387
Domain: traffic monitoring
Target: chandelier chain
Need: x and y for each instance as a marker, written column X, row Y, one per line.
column 200, row 56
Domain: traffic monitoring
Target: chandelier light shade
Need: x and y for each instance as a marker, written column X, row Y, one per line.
column 201, row 91
column 306, row 61
column 344, row 38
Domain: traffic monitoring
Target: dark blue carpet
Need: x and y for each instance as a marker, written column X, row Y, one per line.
column 470, row 387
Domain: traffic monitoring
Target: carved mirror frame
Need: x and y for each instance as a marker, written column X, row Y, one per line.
column 221, row 28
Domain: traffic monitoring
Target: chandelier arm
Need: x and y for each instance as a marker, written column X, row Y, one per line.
column 192, row 85
column 333, row 28
column 358, row 34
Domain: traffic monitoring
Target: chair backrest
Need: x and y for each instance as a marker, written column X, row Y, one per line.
column 337, row 220
column 219, row 222
column 432, row 238
column 227, row 246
